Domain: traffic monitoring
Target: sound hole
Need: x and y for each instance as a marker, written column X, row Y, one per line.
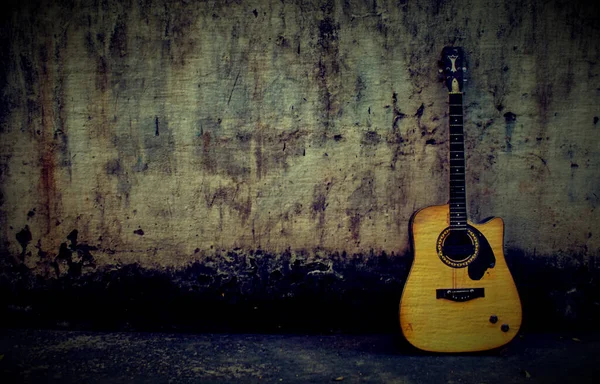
column 457, row 248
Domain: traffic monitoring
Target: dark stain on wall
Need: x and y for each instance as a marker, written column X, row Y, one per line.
column 371, row 138
column 253, row 291
column 510, row 120
column 159, row 149
column 395, row 138
column 72, row 260
column 232, row 197
column 231, row 155
column 102, row 74
column 114, row 168
column 362, row 202
column 257, row 291
column 321, row 192
column 328, row 68
column 118, row 39
column 24, row 237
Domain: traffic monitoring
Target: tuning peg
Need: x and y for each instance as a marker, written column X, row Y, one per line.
column 464, row 69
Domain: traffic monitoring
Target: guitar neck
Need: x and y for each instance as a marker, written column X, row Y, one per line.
column 458, row 190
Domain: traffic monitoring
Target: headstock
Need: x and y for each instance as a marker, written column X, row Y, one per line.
column 454, row 66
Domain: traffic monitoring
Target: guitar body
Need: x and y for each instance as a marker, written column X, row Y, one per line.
column 458, row 309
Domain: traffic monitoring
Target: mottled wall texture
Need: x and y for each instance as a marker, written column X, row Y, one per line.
column 222, row 154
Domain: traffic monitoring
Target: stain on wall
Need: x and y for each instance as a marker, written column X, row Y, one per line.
column 166, row 134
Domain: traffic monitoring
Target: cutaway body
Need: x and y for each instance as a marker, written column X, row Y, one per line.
column 443, row 309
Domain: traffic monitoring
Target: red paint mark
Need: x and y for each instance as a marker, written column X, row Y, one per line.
column 208, row 160
column 258, row 152
column 47, row 157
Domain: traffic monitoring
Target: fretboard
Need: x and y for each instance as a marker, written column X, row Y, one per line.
column 458, row 190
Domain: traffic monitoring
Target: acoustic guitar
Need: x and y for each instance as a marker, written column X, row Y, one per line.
column 459, row 295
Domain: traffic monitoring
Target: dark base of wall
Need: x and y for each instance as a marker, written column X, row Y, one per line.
column 259, row 292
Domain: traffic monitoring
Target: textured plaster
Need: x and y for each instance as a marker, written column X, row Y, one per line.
column 168, row 133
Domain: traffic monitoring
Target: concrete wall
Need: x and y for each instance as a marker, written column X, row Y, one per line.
column 172, row 135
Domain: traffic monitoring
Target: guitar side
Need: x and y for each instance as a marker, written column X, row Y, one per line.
column 441, row 325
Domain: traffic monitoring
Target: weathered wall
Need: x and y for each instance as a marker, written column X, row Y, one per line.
column 174, row 135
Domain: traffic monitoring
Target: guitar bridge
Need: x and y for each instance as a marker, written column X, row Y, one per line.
column 459, row 294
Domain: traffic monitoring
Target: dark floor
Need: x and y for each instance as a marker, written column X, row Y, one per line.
column 50, row 356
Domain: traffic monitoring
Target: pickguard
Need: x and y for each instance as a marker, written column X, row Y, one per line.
column 484, row 260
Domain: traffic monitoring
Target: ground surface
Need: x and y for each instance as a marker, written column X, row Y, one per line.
column 43, row 356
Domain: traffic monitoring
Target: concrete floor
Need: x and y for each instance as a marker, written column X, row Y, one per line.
column 52, row 356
